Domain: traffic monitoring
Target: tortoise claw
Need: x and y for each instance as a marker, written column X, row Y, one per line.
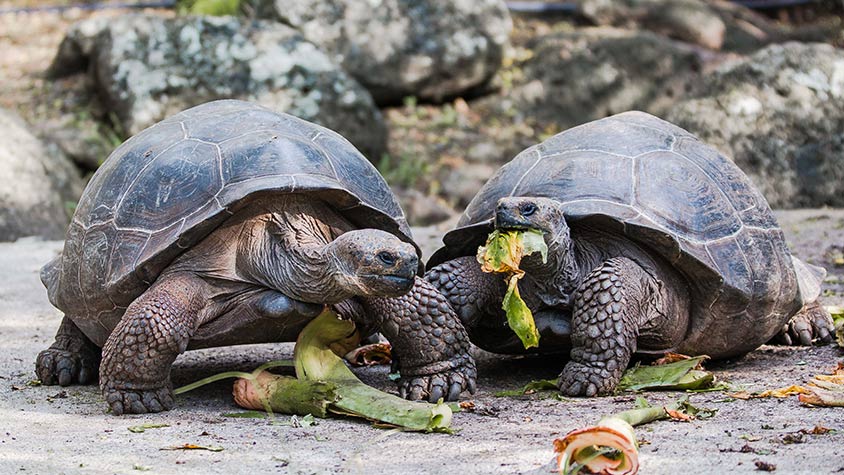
column 445, row 385
column 138, row 401
column 812, row 323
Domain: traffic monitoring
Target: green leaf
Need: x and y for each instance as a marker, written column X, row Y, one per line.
column 519, row 316
column 503, row 253
column 315, row 361
column 530, row 388
column 143, row 427
column 533, row 241
column 210, row 7
column 678, row 375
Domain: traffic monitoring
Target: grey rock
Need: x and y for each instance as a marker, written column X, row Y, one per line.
column 36, row 183
column 688, row 20
column 396, row 48
column 421, row 209
column 779, row 114
column 147, row 67
column 591, row 73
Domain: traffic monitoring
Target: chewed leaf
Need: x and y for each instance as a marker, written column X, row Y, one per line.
column 503, row 253
column 533, row 241
column 519, row 316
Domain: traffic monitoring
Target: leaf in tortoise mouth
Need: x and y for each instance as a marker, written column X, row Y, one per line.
column 503, row 253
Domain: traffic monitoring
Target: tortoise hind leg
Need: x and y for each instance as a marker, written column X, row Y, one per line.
column 72, row 358
column 811, row 323
column 156, row 328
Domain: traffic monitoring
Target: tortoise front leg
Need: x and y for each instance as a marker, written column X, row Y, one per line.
column 156, row 328
column 72, row 358
column 611, row 306
column 429, row 341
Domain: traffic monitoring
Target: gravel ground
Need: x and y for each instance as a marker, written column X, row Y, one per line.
column 52, row 430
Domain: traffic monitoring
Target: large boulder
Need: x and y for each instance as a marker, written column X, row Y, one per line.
column 713, row 24
column 37, row 184
column 396, row 48
column 688, row 20
column 578, row 76
column 780, row 115
column 147, row 67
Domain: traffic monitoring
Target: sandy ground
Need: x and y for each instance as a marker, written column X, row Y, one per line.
column 53, row 430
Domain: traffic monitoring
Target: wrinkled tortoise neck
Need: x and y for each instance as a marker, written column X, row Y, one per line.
column 556, row 278
column 276, row 249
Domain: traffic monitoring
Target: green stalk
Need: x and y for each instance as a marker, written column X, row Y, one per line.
column 315, row 361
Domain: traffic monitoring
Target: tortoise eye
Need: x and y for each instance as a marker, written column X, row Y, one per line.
column 387, row 258
column 528, row 209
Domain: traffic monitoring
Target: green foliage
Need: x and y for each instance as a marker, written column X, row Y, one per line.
column 210, row 7
column 405, row 171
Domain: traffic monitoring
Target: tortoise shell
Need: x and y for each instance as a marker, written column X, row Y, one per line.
column 169, row 186
column 658, row 185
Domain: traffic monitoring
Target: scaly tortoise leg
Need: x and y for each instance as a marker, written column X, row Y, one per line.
column 156, row 328
column 810, row 323
column 609, row 308
column 72, row 358
column 471, row 292
column 429, row 341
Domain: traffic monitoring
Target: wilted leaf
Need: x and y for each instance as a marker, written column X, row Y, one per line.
column 680, row 374
column 369, row 355
column 193, row 447
column 672, row 358
column 679, row 416
column 783, row 392
column 608, row 448
column 143, row 427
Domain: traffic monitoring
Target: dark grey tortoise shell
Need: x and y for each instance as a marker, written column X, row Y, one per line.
column 169, row 186
column 657, row 184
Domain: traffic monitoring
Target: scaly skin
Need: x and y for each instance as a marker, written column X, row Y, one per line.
column 609, row 308
column 471, row 292
column 156, row 328
column 811, row 323
column 430, row 343
column 71, row 359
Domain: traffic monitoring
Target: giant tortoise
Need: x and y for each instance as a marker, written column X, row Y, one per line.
column 656, row 243
column 227, row 224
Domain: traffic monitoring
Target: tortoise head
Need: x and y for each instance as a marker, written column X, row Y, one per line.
column 525, row 212
column 534, row 213
column 374, row 263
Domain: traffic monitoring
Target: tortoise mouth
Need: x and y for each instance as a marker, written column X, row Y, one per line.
column 389, row 285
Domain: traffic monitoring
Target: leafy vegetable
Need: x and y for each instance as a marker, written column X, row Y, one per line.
column 503, row 253
column 315, row 361
column 681, row 374
column 610, row 446
column 317, row 366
